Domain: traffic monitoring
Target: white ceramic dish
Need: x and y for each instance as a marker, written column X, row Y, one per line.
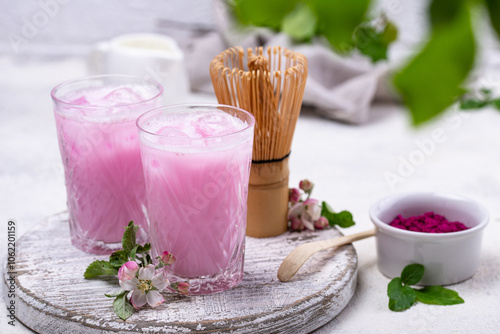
column 448, row 257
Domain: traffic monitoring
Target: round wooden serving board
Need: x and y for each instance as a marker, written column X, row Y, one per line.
column 53, row 297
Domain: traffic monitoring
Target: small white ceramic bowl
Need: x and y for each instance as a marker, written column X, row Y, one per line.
column 448, row 257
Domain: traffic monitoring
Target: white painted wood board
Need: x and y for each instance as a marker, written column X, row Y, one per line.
column 53, row 297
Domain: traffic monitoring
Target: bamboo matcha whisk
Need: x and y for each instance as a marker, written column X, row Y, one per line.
column 270, row 85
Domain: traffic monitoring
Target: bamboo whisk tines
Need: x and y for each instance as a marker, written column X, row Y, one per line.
column 271, row 89
column 269, row 84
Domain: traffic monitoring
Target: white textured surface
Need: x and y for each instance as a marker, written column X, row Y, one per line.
column 58, row 299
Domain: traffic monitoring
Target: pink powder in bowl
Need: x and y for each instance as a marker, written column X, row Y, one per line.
column 427, row 223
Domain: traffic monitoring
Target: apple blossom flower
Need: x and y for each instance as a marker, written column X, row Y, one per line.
column 308, row 212
column 145, row 288
column 167, row 258
column 128, row 270
column 313, row 208
column 293, row 195
column 321, row 223
column 306, row 185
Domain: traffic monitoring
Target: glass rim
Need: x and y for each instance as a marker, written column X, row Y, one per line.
column 101, row 76
column 201, row 105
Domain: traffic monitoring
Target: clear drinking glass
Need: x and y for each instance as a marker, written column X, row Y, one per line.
column 98, row 139
column 196, row 162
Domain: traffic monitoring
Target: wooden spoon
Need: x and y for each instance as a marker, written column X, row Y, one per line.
column 299, row 255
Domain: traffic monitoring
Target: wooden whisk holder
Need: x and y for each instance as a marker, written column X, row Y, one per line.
column 270, row 85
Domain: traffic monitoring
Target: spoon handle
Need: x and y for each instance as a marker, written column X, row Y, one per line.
column 299, row 255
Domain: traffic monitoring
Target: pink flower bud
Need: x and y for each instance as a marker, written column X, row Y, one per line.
column 296, row 224
column 321, row 223
column 306, row 185
column 168, row 258
column 128, row 270
column 293, row 195
column 183, row 288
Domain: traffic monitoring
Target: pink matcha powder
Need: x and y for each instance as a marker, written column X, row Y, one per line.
column 427, row 223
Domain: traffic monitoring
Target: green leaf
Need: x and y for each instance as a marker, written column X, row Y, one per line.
column 326, row 209
column 342, row 219
column 128, row 239
column 338, row 19
column 370, row 43
column 327, row 212
column 431, row 81
column 143, row 249
column 263, row 13
column 486, row 92
column 494, row 13
column 122, row 306
column 115, row 294
column 468, row 104
column 133, row 252
column 437, row 295
column 412, row 274
column 98, row 268
column 148, row 259
column 401, row 296
column 443, row 12
column 390, row 33
column 118, row 258
column 373, row 42
column 300, row 24
column 496, row 103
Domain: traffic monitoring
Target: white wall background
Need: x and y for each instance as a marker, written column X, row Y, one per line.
column 69, row 27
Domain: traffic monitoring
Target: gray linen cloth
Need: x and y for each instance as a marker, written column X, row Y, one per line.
column 340, row 88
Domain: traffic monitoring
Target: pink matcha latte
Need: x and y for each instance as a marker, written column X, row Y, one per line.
column 99, row 145
column 196, row 164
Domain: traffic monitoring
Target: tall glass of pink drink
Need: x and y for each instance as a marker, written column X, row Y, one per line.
column 98, row 139
column 196, row 162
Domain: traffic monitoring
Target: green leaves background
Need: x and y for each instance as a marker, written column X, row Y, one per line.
column 429, row 83
column 335, row 20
